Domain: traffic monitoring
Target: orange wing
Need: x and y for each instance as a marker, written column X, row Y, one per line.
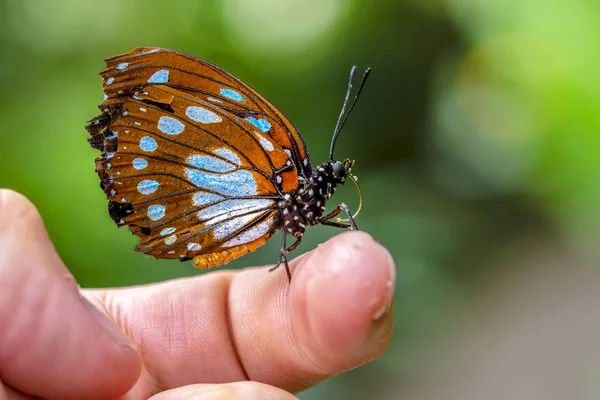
column 148, row 66
column 190, row 178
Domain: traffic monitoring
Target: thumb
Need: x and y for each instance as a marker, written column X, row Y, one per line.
column 53, row 343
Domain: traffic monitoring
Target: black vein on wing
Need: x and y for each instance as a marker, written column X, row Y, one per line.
column 208, row 205
column 186, row 165
column 225, row 197
column 256, row 96
column 196, row 188
column 182, row 163
column 139, row 87
column 235, row 83
column 122, row 177
column 241, row 125
column 241, row 230
column 207, row 226
column 263, row 214
column 180, row 118
column 117, row 60
column 276, row 119
column 158, row 135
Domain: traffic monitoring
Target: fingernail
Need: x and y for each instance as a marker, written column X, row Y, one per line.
column 108, row 326
column 386, row 306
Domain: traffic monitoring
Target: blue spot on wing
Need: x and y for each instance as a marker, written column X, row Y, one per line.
column 122, row 65
column 232, row 94
column 167, row 231
column 228, row 155
column 202, row 115
column 251, row 234
column 110, row 80
column 140, row 163
column 156, row 212
column 261, row 124
column 234, row 208
column 202, row 198
column 170, row 126
column 148, row 144
column 161, row 76
column 210, row 163
column 238, row 183
column 147, row 187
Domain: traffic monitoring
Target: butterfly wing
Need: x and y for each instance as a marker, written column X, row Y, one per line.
column 148, row 66
column 191, row 179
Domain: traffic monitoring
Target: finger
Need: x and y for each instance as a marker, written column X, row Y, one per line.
column 7, row 393
column 226, row 391
column 53, row 344
column 334, row 318
column 227, row 326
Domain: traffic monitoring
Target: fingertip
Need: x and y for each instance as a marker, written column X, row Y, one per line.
column 9, row 196
column 341, row 301
column 24, row 240
column 16, row 209
column 326, row 321
column 347, row 250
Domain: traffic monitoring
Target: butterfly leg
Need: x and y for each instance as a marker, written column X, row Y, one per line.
column 336, row 224
column 342, row 207
column 284, row 252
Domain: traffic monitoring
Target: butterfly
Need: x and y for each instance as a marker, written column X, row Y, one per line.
column 201, row 166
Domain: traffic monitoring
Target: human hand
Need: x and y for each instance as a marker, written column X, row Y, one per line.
column 225, row 335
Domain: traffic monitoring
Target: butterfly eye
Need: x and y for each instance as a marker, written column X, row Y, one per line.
column 338, row 169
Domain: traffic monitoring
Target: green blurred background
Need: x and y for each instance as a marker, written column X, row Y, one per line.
column 476, row 142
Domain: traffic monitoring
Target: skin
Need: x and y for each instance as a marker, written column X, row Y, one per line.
column 224, row 335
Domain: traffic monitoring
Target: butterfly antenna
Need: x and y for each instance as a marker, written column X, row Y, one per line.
column 343, row 114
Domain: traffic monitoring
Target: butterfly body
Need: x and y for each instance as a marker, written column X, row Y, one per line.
column 199, row 165
column 309, row 201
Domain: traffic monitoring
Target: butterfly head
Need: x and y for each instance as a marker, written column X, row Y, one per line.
column 341, row 170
